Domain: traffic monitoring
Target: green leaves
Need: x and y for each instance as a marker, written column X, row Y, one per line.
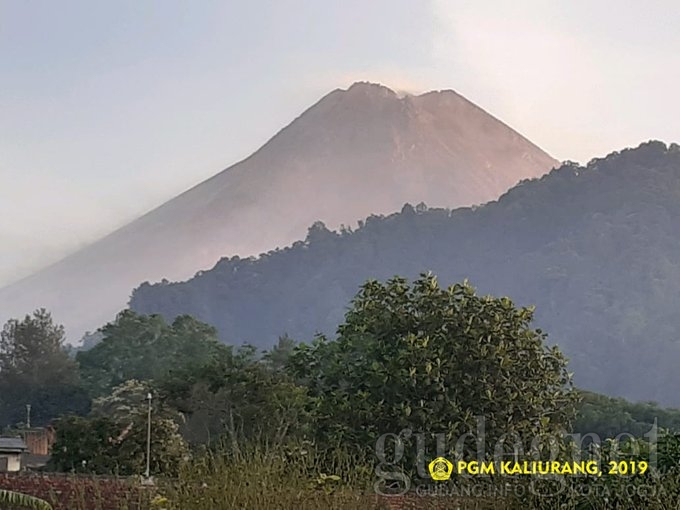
column 35, row 369
column 145, row 348
column 10, row 499
column 117, row 444
column 450, row 356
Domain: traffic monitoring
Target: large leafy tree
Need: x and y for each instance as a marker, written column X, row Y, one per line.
column 219, row 394
column 36, row 370
column 112, row 439
column 240, row 400
column 147, row 348
column 432, row 360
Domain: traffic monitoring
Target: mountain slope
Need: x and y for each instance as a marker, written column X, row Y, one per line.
column 358, row 151
column 595, row 248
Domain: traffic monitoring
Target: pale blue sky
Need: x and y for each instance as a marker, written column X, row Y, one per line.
column 109, row 108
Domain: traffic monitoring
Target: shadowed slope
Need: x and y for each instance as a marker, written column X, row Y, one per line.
column 595, row 248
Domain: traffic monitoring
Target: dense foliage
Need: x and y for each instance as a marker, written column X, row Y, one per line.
column 103, row 445
column 241, row 399
column 112, row 438
column 432, row 360
column 408, row 356
column 35, row 370
column 608, row 417
column 144, row 348
column 229, row 426
column 594, row 247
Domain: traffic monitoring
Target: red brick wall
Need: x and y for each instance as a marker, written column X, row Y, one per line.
column 68, row 492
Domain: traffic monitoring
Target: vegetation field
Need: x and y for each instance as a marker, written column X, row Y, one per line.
column 415, row 371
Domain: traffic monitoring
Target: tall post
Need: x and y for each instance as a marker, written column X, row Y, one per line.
column 28, row 416
column 148, row 440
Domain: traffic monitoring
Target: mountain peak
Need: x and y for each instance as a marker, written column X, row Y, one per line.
column 370, row 88
column 356, row 152
column 378, row 90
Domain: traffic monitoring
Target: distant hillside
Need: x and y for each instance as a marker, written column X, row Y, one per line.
column 596, row 248
column 356, row 152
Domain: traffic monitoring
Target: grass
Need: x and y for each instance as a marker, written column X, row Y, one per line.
column 299, row 479
column 306, row 479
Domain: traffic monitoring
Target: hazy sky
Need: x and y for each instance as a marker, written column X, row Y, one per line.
column 109, row 108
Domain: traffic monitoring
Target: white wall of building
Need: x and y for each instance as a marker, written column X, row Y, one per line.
column 13, row 461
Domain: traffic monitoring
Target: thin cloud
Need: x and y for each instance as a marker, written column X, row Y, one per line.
column 579, row 80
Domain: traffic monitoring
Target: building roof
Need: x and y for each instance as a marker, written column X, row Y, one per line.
column 31, row 461
column 12, row 445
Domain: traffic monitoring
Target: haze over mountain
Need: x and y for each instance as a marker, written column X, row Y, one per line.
column 360, row 151
column 595, row 248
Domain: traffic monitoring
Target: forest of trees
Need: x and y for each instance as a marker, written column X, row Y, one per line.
column 410, row 356
column 406, row 356
column 593, row 247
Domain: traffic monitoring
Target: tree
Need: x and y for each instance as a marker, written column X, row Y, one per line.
column 147, row 348
column 278, row 356
column 112, row 439
column 610, row 416
column 35, row 369
column 131, row 399
column 241, row 399
column 431, row 360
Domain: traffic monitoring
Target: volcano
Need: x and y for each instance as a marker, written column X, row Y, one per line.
column 356, row 152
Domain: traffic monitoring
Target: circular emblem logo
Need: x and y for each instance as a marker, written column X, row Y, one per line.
column 440, row 469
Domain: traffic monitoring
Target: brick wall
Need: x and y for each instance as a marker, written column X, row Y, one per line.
column 69, row 492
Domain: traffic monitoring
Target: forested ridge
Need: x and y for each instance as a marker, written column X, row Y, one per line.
column 595, row 248
column 308, row 420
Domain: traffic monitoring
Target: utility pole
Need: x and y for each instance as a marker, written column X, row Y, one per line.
column 28, row 416
column 148, row 440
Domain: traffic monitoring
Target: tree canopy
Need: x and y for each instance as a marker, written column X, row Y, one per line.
column 145, row 348
column 36, row 370
column 112, row 438
column 410, row 356
column 432, row 359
